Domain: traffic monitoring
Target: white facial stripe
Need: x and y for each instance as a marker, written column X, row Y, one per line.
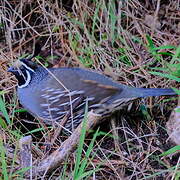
column 26, row 80
column 27, row 67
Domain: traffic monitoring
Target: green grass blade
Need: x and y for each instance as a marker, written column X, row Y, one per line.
column 171, row 151
column 169, row 76
column 21, row 172
column 176, row 56
column 3, row 123
column 81, row 143
column 4, row 111
column 88, row 152
column 95, row 17
column 164, row 47
column 3, row 161
column 113, row 19
column 88, row 173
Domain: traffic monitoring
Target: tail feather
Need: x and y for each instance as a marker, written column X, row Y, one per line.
column 145, row 92
column 133, row 93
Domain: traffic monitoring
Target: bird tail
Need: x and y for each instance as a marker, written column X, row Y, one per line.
column 129, row 92
column 145, row 92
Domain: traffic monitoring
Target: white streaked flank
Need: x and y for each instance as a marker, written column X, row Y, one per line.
column 72, row 93
column 44, row 105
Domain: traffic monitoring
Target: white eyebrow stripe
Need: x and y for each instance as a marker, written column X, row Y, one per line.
column 27, row 67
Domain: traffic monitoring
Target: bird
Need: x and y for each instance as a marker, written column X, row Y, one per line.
column 55, row 94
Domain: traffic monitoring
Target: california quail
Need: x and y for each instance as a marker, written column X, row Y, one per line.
column 54, row 93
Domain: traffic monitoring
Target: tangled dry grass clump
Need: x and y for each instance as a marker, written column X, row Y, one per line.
column 125, row 40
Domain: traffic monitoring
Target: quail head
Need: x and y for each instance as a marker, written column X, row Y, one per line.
column 57, row 93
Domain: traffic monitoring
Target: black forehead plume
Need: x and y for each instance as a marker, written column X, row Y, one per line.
column 37, row 50
column 27, row 61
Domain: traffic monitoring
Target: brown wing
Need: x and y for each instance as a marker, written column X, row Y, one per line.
column 99, row 91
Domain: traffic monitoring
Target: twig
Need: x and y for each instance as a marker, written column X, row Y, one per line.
column 56, row 158
column 25, row 145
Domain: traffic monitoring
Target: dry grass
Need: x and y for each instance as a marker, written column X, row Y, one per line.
column 116, row 38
